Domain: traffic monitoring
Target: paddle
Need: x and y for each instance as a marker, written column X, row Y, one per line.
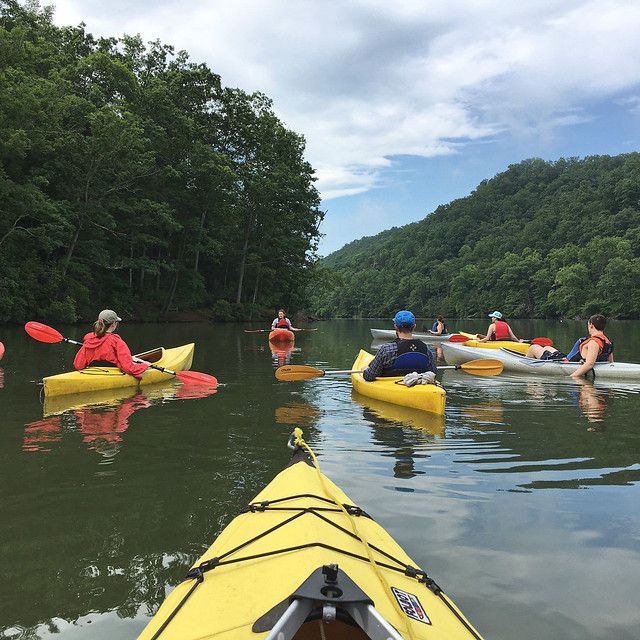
column 543, row 342
column 295, row 372
column 43, row 333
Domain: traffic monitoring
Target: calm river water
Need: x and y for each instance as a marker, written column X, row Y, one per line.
column 523, row 503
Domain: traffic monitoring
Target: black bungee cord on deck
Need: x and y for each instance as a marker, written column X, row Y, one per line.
column 198, row 573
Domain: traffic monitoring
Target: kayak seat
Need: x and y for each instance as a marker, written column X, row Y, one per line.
column 407, row 363
column 101, row 363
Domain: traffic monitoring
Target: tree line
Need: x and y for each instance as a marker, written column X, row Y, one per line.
column 542, row 239
column 130, row 177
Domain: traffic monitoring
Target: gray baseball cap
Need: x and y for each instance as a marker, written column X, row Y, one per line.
column 109, row 316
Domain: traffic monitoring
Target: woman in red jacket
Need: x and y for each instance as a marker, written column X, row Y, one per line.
column 104, row 348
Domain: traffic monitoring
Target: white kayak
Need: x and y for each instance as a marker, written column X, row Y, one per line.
column 519, row 363
column 390, row 334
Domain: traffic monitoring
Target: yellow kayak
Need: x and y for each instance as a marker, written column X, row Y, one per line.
column 302, row 561
column 427, row 397
column 98, row 378
column 520, row 347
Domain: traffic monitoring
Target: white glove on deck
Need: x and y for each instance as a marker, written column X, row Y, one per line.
column 414, row 378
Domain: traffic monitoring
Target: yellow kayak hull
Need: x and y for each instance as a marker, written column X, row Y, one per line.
column 426, row 397
column 101, row 378
column 520, row 347
column 259, row 561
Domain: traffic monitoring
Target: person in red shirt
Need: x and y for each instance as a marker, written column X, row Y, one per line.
column 104, row 348
column 498, row 330
column 282, row 322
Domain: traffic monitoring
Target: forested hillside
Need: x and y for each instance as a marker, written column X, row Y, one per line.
column 131, row 178
column 542, row 239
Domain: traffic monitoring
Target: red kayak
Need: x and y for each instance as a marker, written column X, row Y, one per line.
column 281, row 335
column 1, row 350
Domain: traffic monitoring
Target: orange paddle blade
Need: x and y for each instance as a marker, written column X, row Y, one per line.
column 294, row 372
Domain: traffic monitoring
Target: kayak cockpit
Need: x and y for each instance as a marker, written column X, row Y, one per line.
column 155, row 355
column 328, row 604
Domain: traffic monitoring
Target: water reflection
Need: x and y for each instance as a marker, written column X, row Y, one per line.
column 593, row 402
column 486, row 413
column 1, row 378
column 298, row 414
column 101, row 417
column 397, row 415
column 388, row 423
column 553, row 444
column 281, row 353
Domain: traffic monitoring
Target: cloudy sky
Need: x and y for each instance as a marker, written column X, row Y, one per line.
column 408, row 104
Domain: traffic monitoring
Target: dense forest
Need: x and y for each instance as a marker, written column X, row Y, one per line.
column 542, row 239
column 131, row 178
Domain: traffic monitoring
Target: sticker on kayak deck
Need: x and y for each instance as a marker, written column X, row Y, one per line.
column 411, row 605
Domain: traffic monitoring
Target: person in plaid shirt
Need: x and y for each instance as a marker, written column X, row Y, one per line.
column 403, row 355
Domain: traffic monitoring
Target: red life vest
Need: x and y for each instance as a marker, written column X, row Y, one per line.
column 283, row 323
column 502, row 330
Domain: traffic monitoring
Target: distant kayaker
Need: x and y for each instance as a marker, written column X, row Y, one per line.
column 103, row 348
column 498, row 330
column 439, row 327
column 282, row 322
column 404, row 355
column 595, row 347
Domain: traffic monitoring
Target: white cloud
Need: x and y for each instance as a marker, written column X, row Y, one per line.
column 370, row 79
column 632, row 103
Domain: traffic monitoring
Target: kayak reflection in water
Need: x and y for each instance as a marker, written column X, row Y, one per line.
column 103, row 348
column 101, row 428
column 281, row 353
column 101, row 422
column 595, row 347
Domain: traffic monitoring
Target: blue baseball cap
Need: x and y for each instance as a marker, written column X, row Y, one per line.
column 496, row 314
column 404, row 319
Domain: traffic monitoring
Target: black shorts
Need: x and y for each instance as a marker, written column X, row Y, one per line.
column 553, row 355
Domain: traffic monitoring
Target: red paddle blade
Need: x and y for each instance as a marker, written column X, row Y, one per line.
column 458, row 337
column 543, row 342
column 43, row 333
column 195, row 377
